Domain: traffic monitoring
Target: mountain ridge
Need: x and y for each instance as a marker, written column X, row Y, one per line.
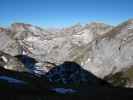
column 91, row 45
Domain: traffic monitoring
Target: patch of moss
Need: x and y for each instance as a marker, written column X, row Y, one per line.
column 123, row 78
column 129, row 73
column 119, row 80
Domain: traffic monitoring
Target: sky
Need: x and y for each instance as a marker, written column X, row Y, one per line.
column 63, row 13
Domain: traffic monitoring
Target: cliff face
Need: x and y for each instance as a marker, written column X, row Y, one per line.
column 112, row 52
column 99, row 48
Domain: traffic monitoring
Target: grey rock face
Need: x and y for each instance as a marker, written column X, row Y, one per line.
column 49, row 46
column 99, row 48
column 7, row 44
column 58, row 48
column 112, row 52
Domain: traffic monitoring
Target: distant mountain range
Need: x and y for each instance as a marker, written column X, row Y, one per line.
column 92, row 61
column 102, row 49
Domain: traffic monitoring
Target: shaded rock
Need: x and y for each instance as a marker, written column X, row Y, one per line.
column 33, row 66
column 43, row 67
column 72, row 73
column 22, row 80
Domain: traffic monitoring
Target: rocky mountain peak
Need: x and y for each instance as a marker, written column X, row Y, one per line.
column 72, row 29
column 122, row 30
column 97, row 24
column 98, row 28
column 130, row 21
column 20, row 27
column 77, row 25
column 127, row 23
column 4, row 30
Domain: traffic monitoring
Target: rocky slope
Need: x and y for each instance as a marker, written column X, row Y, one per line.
column 66, row 73
column 110, row 53
column 99, row 48
column 49, row 46
column 16, row 85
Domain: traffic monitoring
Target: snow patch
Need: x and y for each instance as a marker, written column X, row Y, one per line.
column 37, row 69
column 11, row 80
column 5, row 67
column 89, row 59
column 4, row 59
column 130, row 27
column 32, row 39
column 64, row 90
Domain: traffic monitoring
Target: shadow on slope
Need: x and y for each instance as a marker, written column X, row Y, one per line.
column 29, row 62
column 68, row 75
column 35, row 67
column 71, row 73
column 31, row 82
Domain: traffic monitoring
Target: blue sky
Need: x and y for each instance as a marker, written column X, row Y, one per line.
column 61, row 13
